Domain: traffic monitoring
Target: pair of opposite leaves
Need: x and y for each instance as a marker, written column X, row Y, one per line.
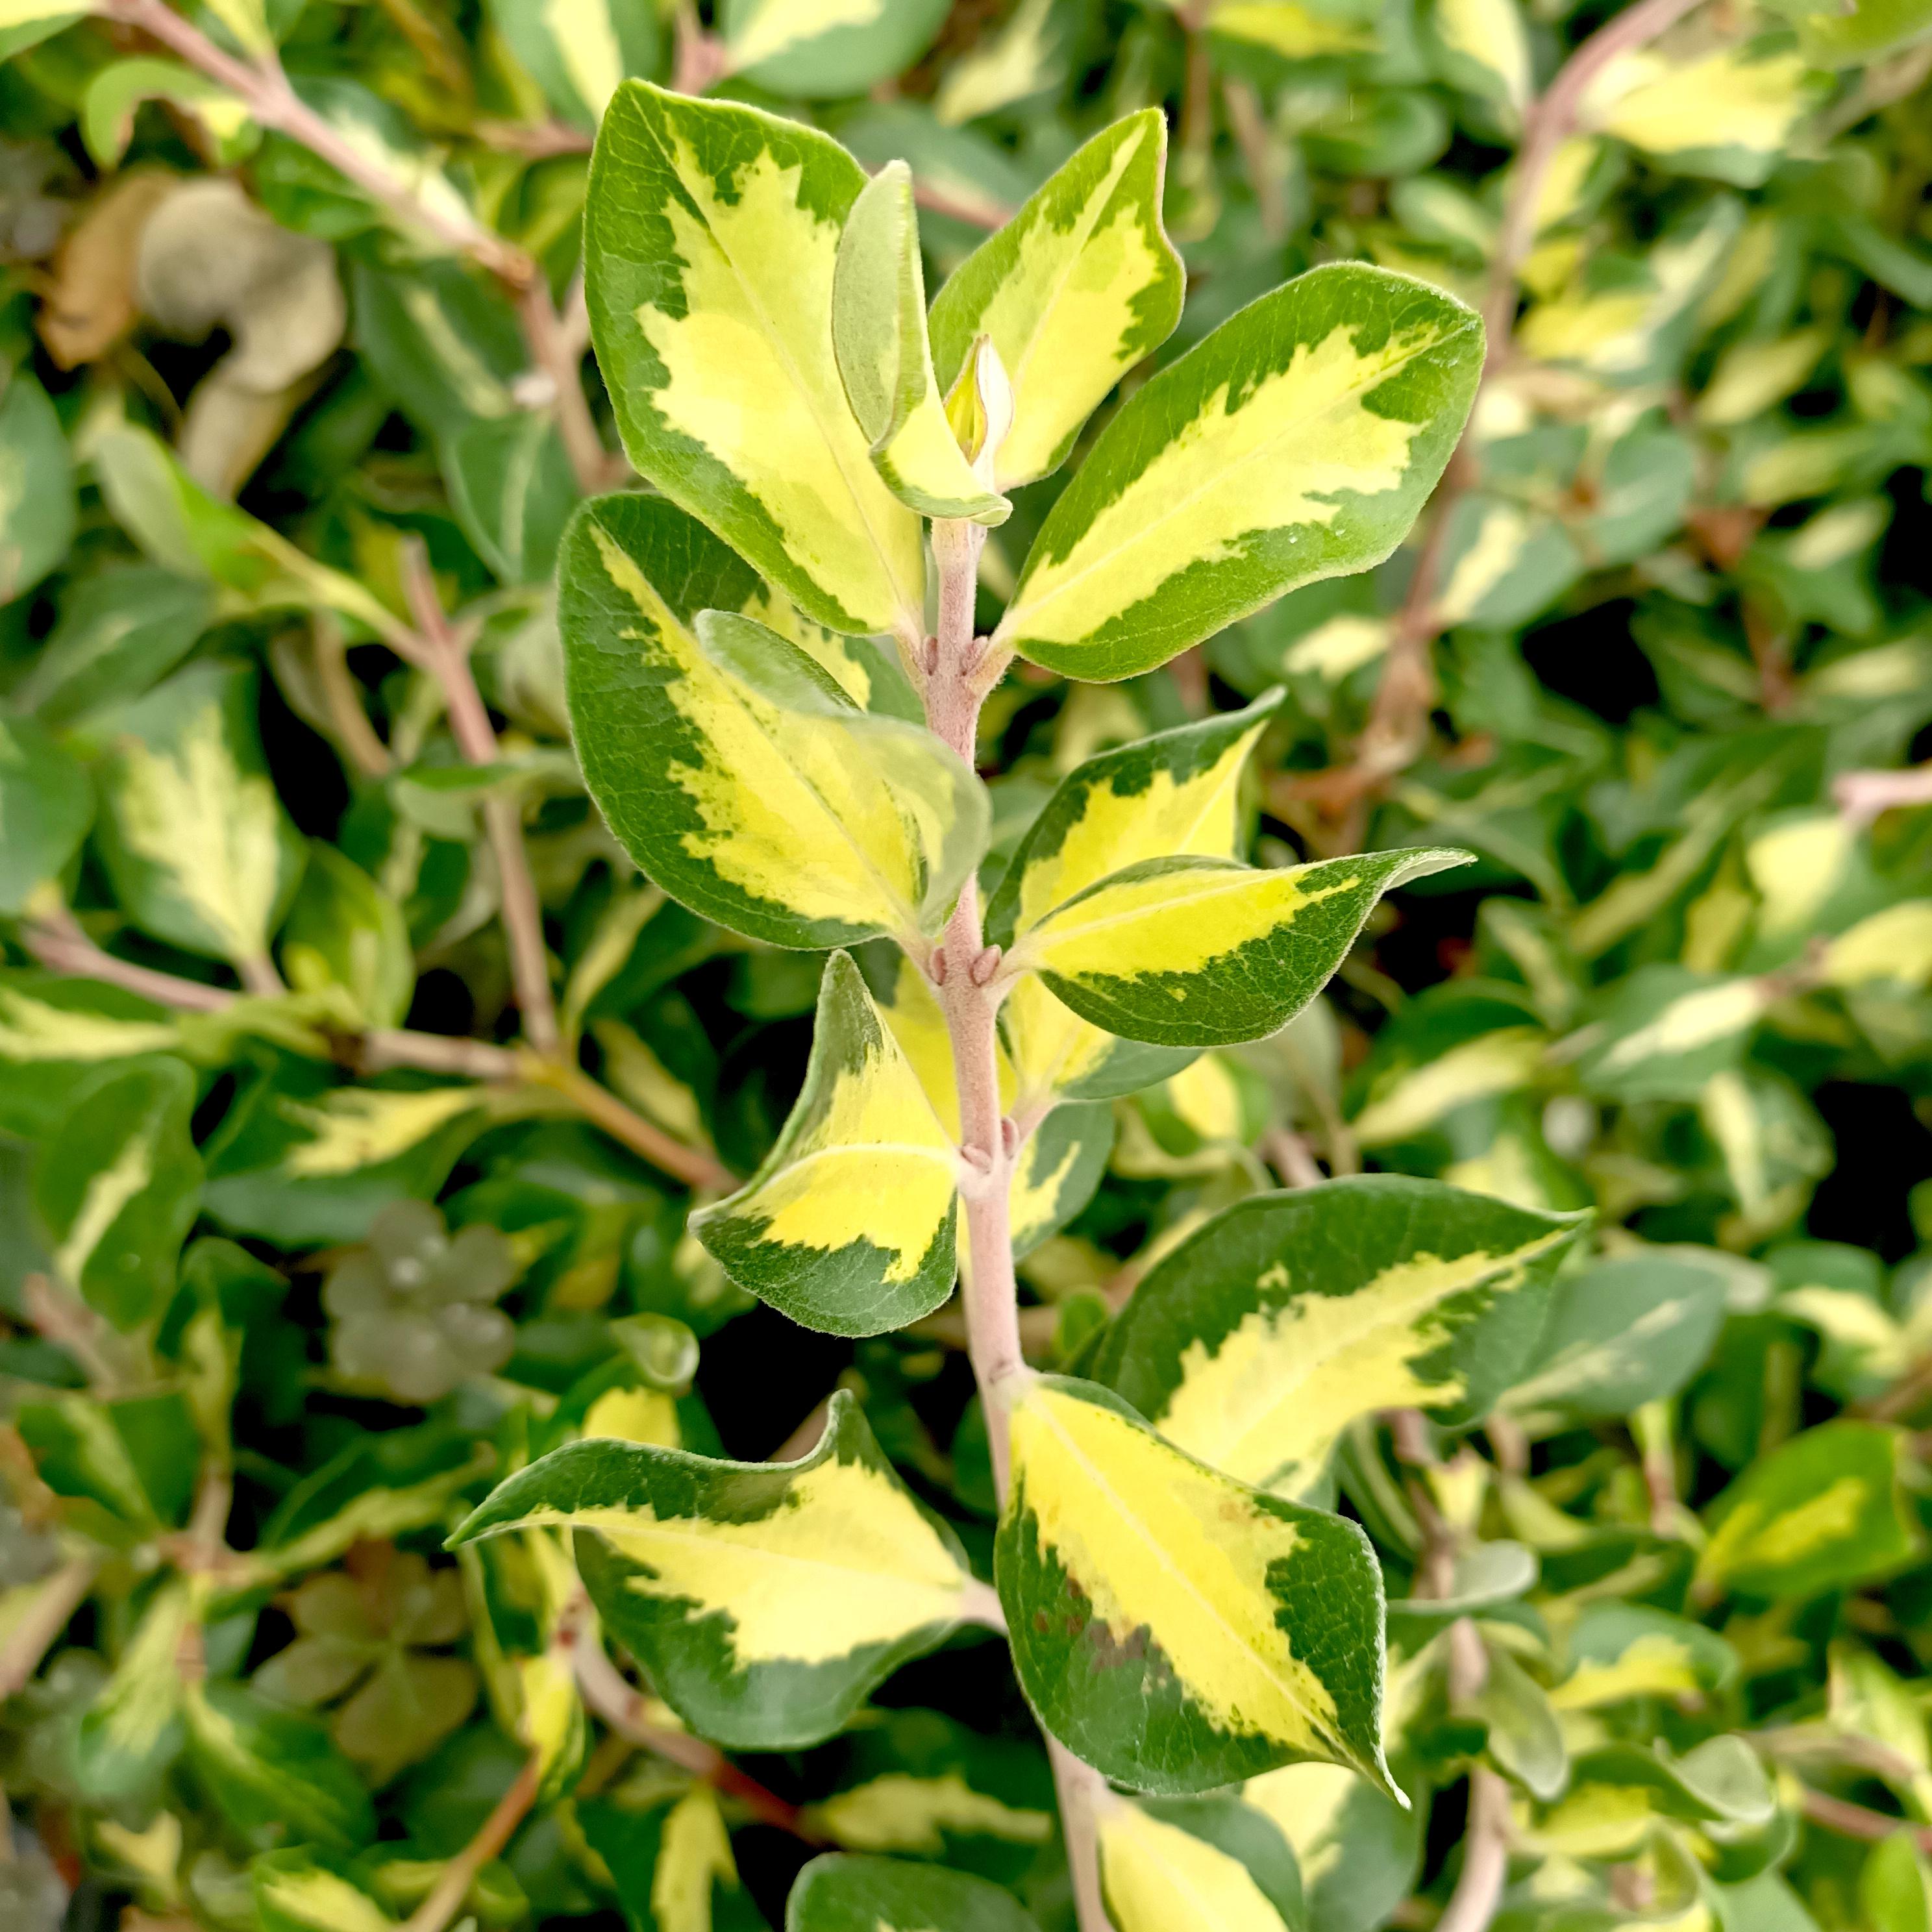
column 757, row 309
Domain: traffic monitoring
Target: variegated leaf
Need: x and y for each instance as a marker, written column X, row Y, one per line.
column 711, row 234
column 849, row 1225
column 1485, row 48
column 1175, row 1628
column 672, row 1862
column 1176, row 793
column 1823, row 1511
column 1728, row 111
column 298, row 1891
column 1081, row 285
column 878, row 329
column 1256, row 1342
column 579, row 52
column 765, row 1599
column 839, row 1893
column 1061, row 1162
column 1197, row 1865
column 1201, row 951
column 119, row 1185
column 200, row 849
column 1299, row 441
column 821, row 48
column 739, row 774
column 134, row 1728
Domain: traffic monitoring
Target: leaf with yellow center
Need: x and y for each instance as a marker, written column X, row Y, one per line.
column 766, row 1600
column 711, row 234
column 1175, row 1628
column 1200, row 952
column 740, row 774
column 1299, row 441
column 1258, row 1340
column 1197, row 1865
column 849, row 1226
column 1081, row 285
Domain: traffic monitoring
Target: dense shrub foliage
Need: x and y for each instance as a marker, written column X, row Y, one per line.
column 467, row 802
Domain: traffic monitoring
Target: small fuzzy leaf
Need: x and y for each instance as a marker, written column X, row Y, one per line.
column 1175, row 1628
column 1078, row 286
column 878, row 329
column 765, row 1599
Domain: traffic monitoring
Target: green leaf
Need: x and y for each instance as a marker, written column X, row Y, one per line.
column 25, row 23
column 183, row 526
column 878, row 331
column 1484, row 47
column 1199, row 952
column 37, row 506
column 1361, row 1851
column 765, row 1599
column 579, row 52
column 46, row 807
column 1254, row 1342
column 134, row 1730
column 1627, row 1331
column 55, row 1034
column 1824, row 1511
column 197, row 845
column 135, row 1457
column 512, row 488
column 820, row 49
column 297, row 1892
column 1299, row 441
column 1175, row 1628
column 849, row 1226
column 273, row 1774
column 1197, row 1865
column 118, row 1188
column 1620, row 1651
column 1080, row 285
column 1664, row 1031
column 344, row 931
column 919, row 1785
column 115, row 94
column 711, row 235
column 119, row 633
column 1895, row 1885
column 672, row 1863
column 837, row 1892
column 739, row 774
column 1866, row 30
column 1525, row 1737
column 1728, row 111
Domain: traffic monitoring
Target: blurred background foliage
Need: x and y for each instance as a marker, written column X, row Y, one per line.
column 353, row 1088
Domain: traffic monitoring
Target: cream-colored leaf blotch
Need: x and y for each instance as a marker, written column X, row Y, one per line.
column 1297, row 442
column 725, row 376
column 1155, row 1544
column 1160, row 1878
